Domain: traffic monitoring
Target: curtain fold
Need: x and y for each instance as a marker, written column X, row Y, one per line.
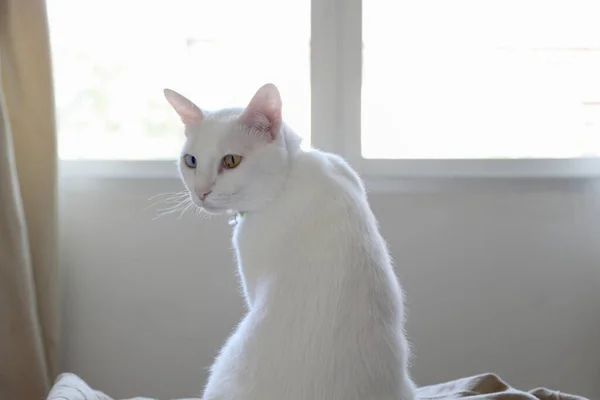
column 29, row 298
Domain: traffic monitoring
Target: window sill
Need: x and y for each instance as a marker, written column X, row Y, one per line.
column 483, row 168
column 118, row 169
column 391, row 175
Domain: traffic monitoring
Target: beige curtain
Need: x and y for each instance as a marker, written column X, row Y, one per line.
column 28, row 201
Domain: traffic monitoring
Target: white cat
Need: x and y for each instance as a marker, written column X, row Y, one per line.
column 325, row 309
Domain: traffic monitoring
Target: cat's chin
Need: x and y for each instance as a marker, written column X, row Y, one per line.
column 214, row 210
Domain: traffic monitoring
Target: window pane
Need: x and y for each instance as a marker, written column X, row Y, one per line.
column 112, row 59
column 481, row 79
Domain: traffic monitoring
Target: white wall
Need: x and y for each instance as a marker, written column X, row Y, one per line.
column 502, row 279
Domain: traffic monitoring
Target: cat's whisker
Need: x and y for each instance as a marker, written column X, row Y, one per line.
column 183, row 211
column 161, row 194
column 169, row 194
column 174, row 203
column 203, row 214
column 165, row 213
column 180, row 206
column 174, row 198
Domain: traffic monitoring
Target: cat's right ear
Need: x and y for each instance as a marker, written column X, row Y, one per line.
column 189, row 113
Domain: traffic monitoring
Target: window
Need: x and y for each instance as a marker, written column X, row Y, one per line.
column 112, row 59
column 398, row 87
column 481, row 79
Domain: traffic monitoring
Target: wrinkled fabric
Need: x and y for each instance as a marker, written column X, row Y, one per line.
column 489, row 387
column 480, row 387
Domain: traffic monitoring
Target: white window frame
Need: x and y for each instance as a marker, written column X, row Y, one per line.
column 336, row 69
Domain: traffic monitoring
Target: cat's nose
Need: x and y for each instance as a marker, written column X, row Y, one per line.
column 205, row 194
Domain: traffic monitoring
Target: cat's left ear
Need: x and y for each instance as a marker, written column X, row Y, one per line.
column 264, row 111
column 189, row 113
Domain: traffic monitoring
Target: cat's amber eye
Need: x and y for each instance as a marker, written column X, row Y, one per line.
column 231, row 161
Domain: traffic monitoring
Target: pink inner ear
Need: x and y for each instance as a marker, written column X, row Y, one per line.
column 189, row 113
column 264, row 110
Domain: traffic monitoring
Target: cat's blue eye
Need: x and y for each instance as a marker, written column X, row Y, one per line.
column 190, row 160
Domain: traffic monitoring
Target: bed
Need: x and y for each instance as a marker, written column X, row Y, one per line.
column 479, row 387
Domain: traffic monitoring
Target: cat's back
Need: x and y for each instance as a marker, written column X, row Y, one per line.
column 332, row 195
column 326, row 308
column 324, row 202
column 329, row 175
column 322, row 195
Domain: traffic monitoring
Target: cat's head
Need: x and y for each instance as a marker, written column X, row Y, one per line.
column 233, row 159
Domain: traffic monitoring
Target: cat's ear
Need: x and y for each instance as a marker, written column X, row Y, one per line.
column 264, row 110
column 189, row 113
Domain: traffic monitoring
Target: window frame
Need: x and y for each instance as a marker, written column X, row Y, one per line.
column 336, row 88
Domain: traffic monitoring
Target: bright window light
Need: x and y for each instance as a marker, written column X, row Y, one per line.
column 112, row 59
column 445, row 88
column 473, row 79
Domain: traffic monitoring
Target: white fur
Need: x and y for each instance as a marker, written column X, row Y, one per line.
column 325, row 309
